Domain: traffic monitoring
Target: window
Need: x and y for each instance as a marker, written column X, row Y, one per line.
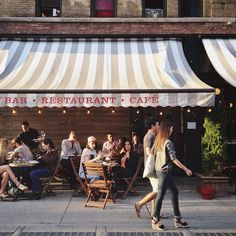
column 190, row 8
column 154, row 8
column 103, row 8
column 48, row 8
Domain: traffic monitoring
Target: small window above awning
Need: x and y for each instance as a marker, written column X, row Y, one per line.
column 222, row 54
column 98, row 72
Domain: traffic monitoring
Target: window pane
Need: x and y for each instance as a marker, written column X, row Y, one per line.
column 154, row 4
column 104, row 5
column 190, row 8
column 50, row 3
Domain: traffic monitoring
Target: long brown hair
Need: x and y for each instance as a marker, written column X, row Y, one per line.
column 162, row 135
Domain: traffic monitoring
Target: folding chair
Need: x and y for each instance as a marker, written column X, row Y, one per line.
column 103, row 185
column 130, row 181
column 75, row 163
column 46, row 181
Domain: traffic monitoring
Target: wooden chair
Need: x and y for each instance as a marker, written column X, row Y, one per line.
column 101, row 186
column 130, row 181
column 75, row 163
column 46, row 181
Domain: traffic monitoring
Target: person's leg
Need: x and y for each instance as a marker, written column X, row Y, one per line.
column 5, row 178
column 64, row 169
column 150, row 197
column 72, row 177
column 35, row 175
column 174, row 193
column 174, row 196
column 6, row 168
column 162, row 187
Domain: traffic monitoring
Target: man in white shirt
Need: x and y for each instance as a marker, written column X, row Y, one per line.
column 70, row 147
column 21, row 151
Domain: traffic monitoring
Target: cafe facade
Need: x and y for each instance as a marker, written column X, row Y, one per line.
column 96, row 75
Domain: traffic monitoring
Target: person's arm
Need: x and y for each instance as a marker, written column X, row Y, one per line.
column 149, row 144
column 78, row 148
column 15, row 155
column 99, row 157
column 172, row 155
column 50, row 158
column 64, row 148
column 183, row 167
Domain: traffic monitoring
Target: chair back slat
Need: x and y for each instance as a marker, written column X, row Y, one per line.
column 131, row 180
column 75, row 163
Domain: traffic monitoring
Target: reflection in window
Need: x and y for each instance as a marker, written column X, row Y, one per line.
column 103, row 8
column 48, row 8
column 190, row 8
column 153, row 8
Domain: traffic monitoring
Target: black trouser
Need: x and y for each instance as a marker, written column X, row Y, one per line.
column 68, row 173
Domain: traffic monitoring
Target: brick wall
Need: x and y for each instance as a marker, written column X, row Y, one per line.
column 223, row 8
column 172, row 8
column 76, row 8
column 219, row 8
column 129, row 8
column 206, row 8
column 118, row 27
column 58, row 125
column 17, row 8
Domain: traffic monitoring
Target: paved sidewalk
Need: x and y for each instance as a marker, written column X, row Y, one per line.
column 64, row 213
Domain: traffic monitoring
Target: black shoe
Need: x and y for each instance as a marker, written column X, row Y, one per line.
column 36, row 196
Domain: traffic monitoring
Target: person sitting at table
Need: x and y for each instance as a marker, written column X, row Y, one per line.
column 6, row 172
column 136, row 145
column 115, row 154
column 48, row 163
column 109, row 145
column 128, row 163
column 28, row 135
column 70, row 147
column 21, row 151
column 89, row 154
column 3, row 150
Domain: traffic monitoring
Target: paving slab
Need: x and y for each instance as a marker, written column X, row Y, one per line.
column 64, row 213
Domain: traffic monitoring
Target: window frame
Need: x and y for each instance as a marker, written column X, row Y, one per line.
column 93, row 12
column 38, row 7
column 164, row 8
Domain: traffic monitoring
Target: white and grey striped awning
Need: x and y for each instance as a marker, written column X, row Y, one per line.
column 98, row 72
column 222, row 54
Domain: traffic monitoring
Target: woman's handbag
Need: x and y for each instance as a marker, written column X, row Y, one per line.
column 149, row 168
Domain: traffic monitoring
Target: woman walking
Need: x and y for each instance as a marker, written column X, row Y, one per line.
column 165, row 157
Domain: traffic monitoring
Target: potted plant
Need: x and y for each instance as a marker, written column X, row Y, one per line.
column 212, row 178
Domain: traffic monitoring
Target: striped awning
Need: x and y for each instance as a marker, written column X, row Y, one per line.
column 222, row 54
column 98, row 72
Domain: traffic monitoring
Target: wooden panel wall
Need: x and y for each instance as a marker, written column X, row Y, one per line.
column 58, row 125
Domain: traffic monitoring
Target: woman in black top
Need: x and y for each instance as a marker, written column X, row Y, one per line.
column 128, row 163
